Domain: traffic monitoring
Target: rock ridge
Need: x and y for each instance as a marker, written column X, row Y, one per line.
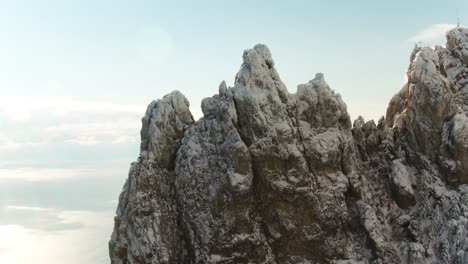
column 267, row 176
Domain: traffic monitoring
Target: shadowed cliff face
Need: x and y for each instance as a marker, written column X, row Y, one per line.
column 272, row 177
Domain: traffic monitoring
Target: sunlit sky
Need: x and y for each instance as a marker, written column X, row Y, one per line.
column 76, row 77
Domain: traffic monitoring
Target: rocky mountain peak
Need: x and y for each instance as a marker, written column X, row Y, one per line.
column 457, row 43
column 266, row 176
column 424, row 111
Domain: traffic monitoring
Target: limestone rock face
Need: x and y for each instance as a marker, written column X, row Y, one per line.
column 146, row 228
column 429, row 113
column 266, row 176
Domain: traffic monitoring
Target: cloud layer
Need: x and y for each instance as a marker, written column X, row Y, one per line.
column 56, row 138
column 432, row 33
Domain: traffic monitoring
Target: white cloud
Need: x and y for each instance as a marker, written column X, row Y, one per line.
column 114, row 131
column 43, row 174
column 432, row 33
column 27, row 208
column 94, row 128
column 83, row 141
column 8, row 143
column 59, row 120
column 21, row 108
column 34, row 171
column 124, row 140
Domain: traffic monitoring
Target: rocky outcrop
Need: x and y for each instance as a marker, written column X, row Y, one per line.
column 146, row 225
column 266, row 176
column 428, row 113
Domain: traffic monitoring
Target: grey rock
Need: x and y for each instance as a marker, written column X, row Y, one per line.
column 458, row 44
column 146, row 228
column 401, row 186
column 266, row 176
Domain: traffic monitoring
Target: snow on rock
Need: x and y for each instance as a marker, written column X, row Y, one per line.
column 266, row 176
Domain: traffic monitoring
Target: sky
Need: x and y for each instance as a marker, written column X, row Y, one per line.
column 76, row 77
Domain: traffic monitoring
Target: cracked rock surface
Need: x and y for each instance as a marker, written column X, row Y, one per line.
column 266, row 176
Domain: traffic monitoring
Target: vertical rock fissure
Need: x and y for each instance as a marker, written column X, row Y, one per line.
column 256, row 181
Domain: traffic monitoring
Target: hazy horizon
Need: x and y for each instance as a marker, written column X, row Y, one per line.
column 76, row 77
